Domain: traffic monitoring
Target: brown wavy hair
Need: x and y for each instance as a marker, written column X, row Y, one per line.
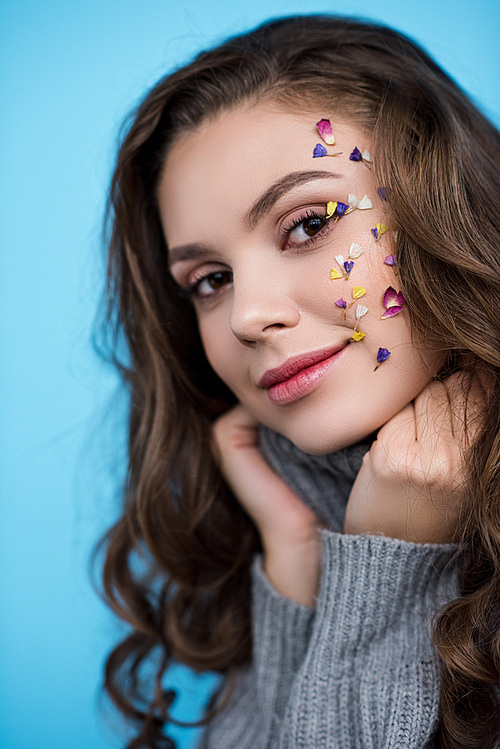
column 177, row 562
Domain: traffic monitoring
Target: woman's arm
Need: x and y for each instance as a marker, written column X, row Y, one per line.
column 376, row 597
column 288, row 529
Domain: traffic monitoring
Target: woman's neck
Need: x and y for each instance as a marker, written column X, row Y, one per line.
column 323, row 482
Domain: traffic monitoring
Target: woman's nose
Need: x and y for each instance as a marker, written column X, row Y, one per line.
column 261, row 306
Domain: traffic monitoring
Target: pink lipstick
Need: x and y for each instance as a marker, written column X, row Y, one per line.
column 299, row 375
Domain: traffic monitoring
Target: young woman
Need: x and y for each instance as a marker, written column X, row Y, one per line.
column 304, row 264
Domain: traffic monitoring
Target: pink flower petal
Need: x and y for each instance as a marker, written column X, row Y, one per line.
column 391, row 312
column 326, row 132
column 393, row 298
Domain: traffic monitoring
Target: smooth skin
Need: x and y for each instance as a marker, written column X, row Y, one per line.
column 262, row 293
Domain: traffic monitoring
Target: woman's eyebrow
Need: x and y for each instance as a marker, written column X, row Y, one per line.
column 266, row 201
column 186, row 252
column 262, row 205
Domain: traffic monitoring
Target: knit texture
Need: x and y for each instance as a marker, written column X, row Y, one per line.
column 358, row 671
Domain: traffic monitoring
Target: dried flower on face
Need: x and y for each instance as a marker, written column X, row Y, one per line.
column 320, row 150
column 356, row 155
column 347, row 266
column 361, row 311
column 357, row 336
column 382, row 355
column 394, row 303
column 342, row 304
column 357, row 293
column 337, row 209
column 362, row 204
column 326, row 132
column 378, row 230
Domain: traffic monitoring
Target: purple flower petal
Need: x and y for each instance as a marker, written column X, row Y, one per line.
column 391, row 260
column 348, row 266
column 319, row 150
column 391, row 312
column 382, row 355
column 326, row 132
column 384, row 192
column 374, row 232
column 341, row 303
column 341, row 209
column 355, row 155
column 392, row 298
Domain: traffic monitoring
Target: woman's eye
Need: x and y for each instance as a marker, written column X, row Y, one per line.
column 304, row 229
column 211, row 283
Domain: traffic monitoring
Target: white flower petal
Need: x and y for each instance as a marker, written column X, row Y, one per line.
column 365, row 203
column 353, row 201
column 355, row 250
column 366, row 155
column 361, row 311
column 339, row 259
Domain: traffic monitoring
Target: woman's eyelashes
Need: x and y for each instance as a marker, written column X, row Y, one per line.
column 306, row 229
column 208, row 284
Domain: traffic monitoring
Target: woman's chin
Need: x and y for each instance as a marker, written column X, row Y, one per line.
column 318, row 442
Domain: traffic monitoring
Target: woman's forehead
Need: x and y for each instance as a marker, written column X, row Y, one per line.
column 230, row 160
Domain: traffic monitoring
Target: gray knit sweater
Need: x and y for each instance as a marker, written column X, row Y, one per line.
column 359, row 670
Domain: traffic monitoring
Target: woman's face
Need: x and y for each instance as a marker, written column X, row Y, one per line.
column 243, row 207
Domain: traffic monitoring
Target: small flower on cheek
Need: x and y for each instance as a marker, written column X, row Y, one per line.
column 357, row 336
column 326, row 132
column 354, row 252
column 361, row 311
column 392, row 261
column 378, row 230
column 362, row 205
column 382, row 355
column 346, row 265
column 357, row 293
column 394, row 303
column 342, row 304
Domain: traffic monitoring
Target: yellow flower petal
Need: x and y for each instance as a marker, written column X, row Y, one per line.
column 357, row 336
column 335, row 274
column 358, row 292
column 331, row 207
column 381, row 229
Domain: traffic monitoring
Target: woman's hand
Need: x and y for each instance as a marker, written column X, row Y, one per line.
column 409, row 485
column 288, row 529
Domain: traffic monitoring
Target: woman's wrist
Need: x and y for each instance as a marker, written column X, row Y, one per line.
column 293, row 569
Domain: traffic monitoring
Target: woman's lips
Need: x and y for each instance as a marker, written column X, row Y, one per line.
column 300, row 375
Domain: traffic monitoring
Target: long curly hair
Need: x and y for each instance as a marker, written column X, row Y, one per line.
column 177, row 562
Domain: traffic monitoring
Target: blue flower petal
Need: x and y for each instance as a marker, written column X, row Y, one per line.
column 319, row 150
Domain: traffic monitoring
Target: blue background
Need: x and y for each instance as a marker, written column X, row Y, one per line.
column 70, row 71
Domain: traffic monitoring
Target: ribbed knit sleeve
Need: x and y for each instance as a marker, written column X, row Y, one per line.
column 370, row 678
column 281, row 633
column 281, row 629
column 360, row 672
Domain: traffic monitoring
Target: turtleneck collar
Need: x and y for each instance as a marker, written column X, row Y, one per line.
column 323, row 482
